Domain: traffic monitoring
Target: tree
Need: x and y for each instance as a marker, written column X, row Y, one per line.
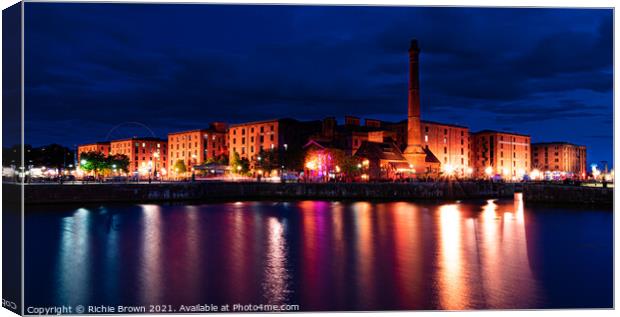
column 220, row 159
column 332, row 160
column 239, row 165
column 292, row 158
column 268, row 160
column 179, row 167
column 93, row 162
column 119, row 162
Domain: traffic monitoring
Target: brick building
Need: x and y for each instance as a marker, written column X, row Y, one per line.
column 194, row 147
column 101, row 147
column 350, row 136
column 500, row 153
column 560, row 157
column 146, row 155
column 280, row 135
column 449, row 143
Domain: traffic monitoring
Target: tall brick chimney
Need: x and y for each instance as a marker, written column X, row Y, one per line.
column 414, row 153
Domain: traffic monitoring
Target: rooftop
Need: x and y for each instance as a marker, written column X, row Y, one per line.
column 501, row 132
column 555, row 143
column 141, row 139
column 190, row 131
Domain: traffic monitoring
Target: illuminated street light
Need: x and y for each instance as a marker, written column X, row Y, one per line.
column 83, row 162
column 488, row 170
column 311, row 165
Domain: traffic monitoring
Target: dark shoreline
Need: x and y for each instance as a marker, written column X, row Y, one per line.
column 209, row 192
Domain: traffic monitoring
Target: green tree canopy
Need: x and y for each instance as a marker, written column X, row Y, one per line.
column 93, row 161
column 119, row 162
column 179, row 166
column 266, row 160
column 239, row 165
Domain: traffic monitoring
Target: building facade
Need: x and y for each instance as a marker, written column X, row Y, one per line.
column 560, row 157
column 195, row 147
column 101, row 147
column 279, row 135
column 500, row 153
column 147, row 156
column 450, row 145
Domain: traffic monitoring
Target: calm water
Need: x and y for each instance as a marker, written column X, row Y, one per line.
column 322, row 255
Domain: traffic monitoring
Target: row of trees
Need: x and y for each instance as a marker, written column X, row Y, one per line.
column 100, row 164
column 179, row 166
column 51, row 155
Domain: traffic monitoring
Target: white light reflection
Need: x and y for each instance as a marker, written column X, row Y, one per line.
column 275, row 285
column 151, row 257
column 74, row 262
column 451, row 267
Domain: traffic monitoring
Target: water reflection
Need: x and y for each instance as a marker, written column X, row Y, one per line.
column 74, row 258
column 150, row 273
column 452, row 285
column 320, row 255
column 275, row 285
column 364, row 253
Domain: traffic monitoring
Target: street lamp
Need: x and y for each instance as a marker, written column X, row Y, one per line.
column 488, row 171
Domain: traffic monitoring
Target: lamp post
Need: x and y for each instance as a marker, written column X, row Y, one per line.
column 488, row 171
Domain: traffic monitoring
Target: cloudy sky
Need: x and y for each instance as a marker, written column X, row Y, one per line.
column 90, row 67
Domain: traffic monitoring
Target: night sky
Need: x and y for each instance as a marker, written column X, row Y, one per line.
column 90, row 67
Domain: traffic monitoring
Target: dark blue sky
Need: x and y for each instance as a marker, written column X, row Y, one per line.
column 89, row 67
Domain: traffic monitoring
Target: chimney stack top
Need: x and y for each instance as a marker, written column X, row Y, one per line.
column 414, row 45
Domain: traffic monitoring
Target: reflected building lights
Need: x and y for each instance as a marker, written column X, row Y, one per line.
column 275, row 285
column 408, row 254
column 112, row 265
column 74, row 262
column 193, row 257
column 452, row 286
column 365, row 253
column 150, row 275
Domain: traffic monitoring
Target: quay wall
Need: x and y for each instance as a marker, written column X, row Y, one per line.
column 67, row 193
column 549, row 193
column 213, row 191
